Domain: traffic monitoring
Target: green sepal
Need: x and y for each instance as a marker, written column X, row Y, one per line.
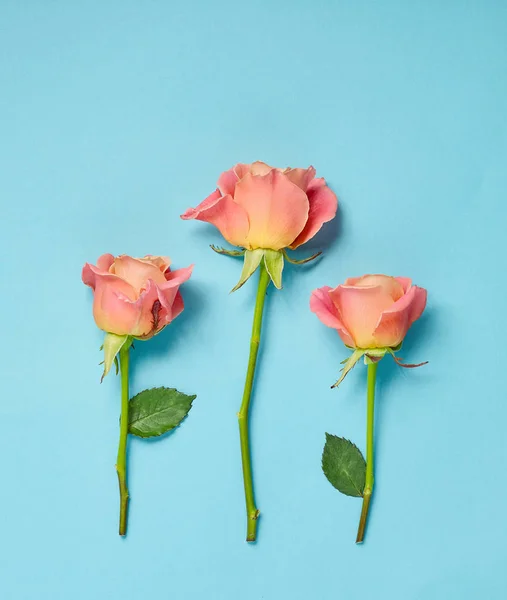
column 219, row 250
column 112, row 345
column 349, row 364
column 156, row 411
column 302, row 261
column 399, row 361
column 344, row 466
column 273, row 259
column 252, row 261
column 373, row 355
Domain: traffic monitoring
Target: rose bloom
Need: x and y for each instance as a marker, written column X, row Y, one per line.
column 373, row 311
column 258, row 206
column 135, row 296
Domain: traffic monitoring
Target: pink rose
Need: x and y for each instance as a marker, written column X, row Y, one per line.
column 373, row 311
column 135, row 296
column 258, row 206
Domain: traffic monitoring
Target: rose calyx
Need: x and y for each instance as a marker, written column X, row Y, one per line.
column 372, row 355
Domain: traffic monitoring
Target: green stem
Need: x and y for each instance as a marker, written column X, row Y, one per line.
column 121, row 462
column 252, row 512
column 368, row 487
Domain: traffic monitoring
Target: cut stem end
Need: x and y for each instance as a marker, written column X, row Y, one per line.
column 251, row 528
column 364, row 517
column 124, row 506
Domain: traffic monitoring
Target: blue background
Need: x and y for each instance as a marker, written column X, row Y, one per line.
column 116, row 117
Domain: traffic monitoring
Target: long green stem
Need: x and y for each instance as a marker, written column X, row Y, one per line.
column 370, row 414
column 252, row 512
column 121, row 462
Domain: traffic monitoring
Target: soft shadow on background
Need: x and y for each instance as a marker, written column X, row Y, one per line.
column 173, row 335
column 326, row 241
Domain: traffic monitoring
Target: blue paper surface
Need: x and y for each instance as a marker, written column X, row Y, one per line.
column 117, row 116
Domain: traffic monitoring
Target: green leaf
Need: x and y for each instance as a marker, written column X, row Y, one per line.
column 273, row 259
column 158, row 410
column 252, row 261
column 344, row 466
column 350, row 363
column 303, row 260
column 219, row 250
column 112, row 345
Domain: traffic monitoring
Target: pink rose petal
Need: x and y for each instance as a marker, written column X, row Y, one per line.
column 322, row 305
column 277, row 209
column 225, row 214
column 323, row 206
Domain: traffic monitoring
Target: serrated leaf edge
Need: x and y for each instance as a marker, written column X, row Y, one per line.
column 145, row 436
column 331, row 435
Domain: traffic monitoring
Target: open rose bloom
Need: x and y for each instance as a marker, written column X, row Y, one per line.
column 258, row 207
column 371, row 314
column 135, row 296
column 373, row 311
